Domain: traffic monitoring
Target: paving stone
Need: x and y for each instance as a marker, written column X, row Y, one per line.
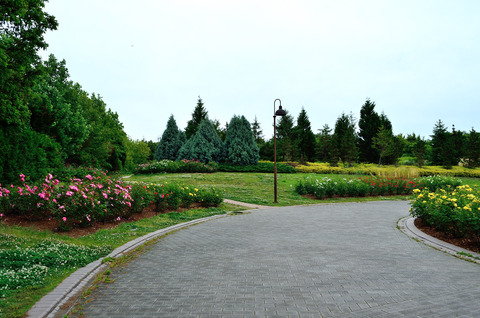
column 329, row 260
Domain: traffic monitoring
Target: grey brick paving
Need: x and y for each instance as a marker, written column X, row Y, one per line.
column 332, row 260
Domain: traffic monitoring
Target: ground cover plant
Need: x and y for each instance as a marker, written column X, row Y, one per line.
column 454, row 211
column 327, row 187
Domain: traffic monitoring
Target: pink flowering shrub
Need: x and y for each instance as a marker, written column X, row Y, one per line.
column 93, row 198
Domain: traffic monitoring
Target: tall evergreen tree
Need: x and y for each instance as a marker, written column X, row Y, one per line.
column 369, row 125
column 198, row 115
column 205, row 145
column 324, row 144
column 472, row 154
column 419, row 151
column 442, row 149
column 345, row 140
column 304, row 138
column 383, row 143
column 458, row 141
column 285, row 138
column 240, row 145
column 257, row 132
column 170, row 144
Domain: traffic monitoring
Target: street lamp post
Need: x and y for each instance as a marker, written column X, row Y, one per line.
column 279, row 112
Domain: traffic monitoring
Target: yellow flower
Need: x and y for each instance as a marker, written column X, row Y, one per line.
column 196, row 190
column 416, row 190
column 190, row 194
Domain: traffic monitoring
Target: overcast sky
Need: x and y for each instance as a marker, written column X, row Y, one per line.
column 418, row 60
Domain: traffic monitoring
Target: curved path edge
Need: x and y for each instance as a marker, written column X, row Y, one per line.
column 75, row 284
column 407, row 226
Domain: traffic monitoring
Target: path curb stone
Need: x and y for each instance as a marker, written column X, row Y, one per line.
column 74, row 284
column 408, row 227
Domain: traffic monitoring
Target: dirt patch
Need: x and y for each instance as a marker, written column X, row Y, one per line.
column 52, row 224
column 469, row 244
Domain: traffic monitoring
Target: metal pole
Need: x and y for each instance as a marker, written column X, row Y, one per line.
column 274, row 156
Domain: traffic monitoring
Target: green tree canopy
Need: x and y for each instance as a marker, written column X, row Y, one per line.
column 240, row 145
column 344, row 139
column 171, row 142
column 198, row 115
column 304, row 138
column 369, row 126
column 205, row 145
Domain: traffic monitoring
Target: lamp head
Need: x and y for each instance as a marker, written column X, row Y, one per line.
column 280, row 111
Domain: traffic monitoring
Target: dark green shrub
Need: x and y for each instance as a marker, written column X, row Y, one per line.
column 240, row 146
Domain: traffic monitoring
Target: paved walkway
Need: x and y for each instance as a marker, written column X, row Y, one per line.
column 329, row 260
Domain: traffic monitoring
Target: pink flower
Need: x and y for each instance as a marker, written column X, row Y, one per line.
column 119, row 218
column 22, row 177
column 73, row 188
column 69, row 193
column 89, row 177
column 88, row 218
column 41, row 195
column 64, row 219
column 1, row 215
column 61, row 207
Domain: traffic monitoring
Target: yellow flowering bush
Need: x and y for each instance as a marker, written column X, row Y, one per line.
column 455, row 212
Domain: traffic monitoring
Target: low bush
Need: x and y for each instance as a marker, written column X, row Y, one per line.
column 94, row 198
column 370, row 186
column 169, row 166
column 262, row 166
column 454, row 211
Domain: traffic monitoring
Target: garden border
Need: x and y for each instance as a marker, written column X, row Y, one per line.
column 407, row 226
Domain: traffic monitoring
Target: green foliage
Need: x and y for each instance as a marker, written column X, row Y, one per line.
column 442, row 148
column 285, row 140
column 472, row 156
column 369, row 126
column 383, row 142
column 199, row 114
column 171, row 142
column 170, row 166
column 205, row 146
column 138, row 152
column 344, row 140
column 454, row 211
column 262, row 166
column 304, row 138
column 257, row 132
column 371, row 186
column 240, row 146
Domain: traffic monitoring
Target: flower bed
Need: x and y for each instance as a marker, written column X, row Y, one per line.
column 454, row 211
column 95, row 198
column 370, row 186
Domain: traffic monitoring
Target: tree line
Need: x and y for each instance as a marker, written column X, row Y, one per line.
column 48, row 121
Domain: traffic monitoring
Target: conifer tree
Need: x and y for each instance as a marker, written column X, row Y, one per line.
column 323, row 147
column 240, row 145
column 419, row 150
column 198, row 115
column 304, row 138
column 170, row 143
column 344, row 139
column 369, row 125
column 442, row 150
column 472, row 155
column 285, row 138
column 205, row 145
column 257, row 132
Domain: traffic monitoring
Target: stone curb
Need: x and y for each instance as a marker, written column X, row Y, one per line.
column 74, row 284
column 408, row 227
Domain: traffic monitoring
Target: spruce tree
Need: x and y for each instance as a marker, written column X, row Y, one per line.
column 198, row 115
column 369, row 125
column 419, row 150
column 324, row 144
column 304, row 138
column 472, row 155
column 240, row 145
column 442, row 149
column 170, row 143
column 257, row 132
column 285, row 138
column 345, row 140
column 205, row 145
column 383, row 143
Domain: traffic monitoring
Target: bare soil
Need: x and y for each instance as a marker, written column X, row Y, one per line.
column 52, row 224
